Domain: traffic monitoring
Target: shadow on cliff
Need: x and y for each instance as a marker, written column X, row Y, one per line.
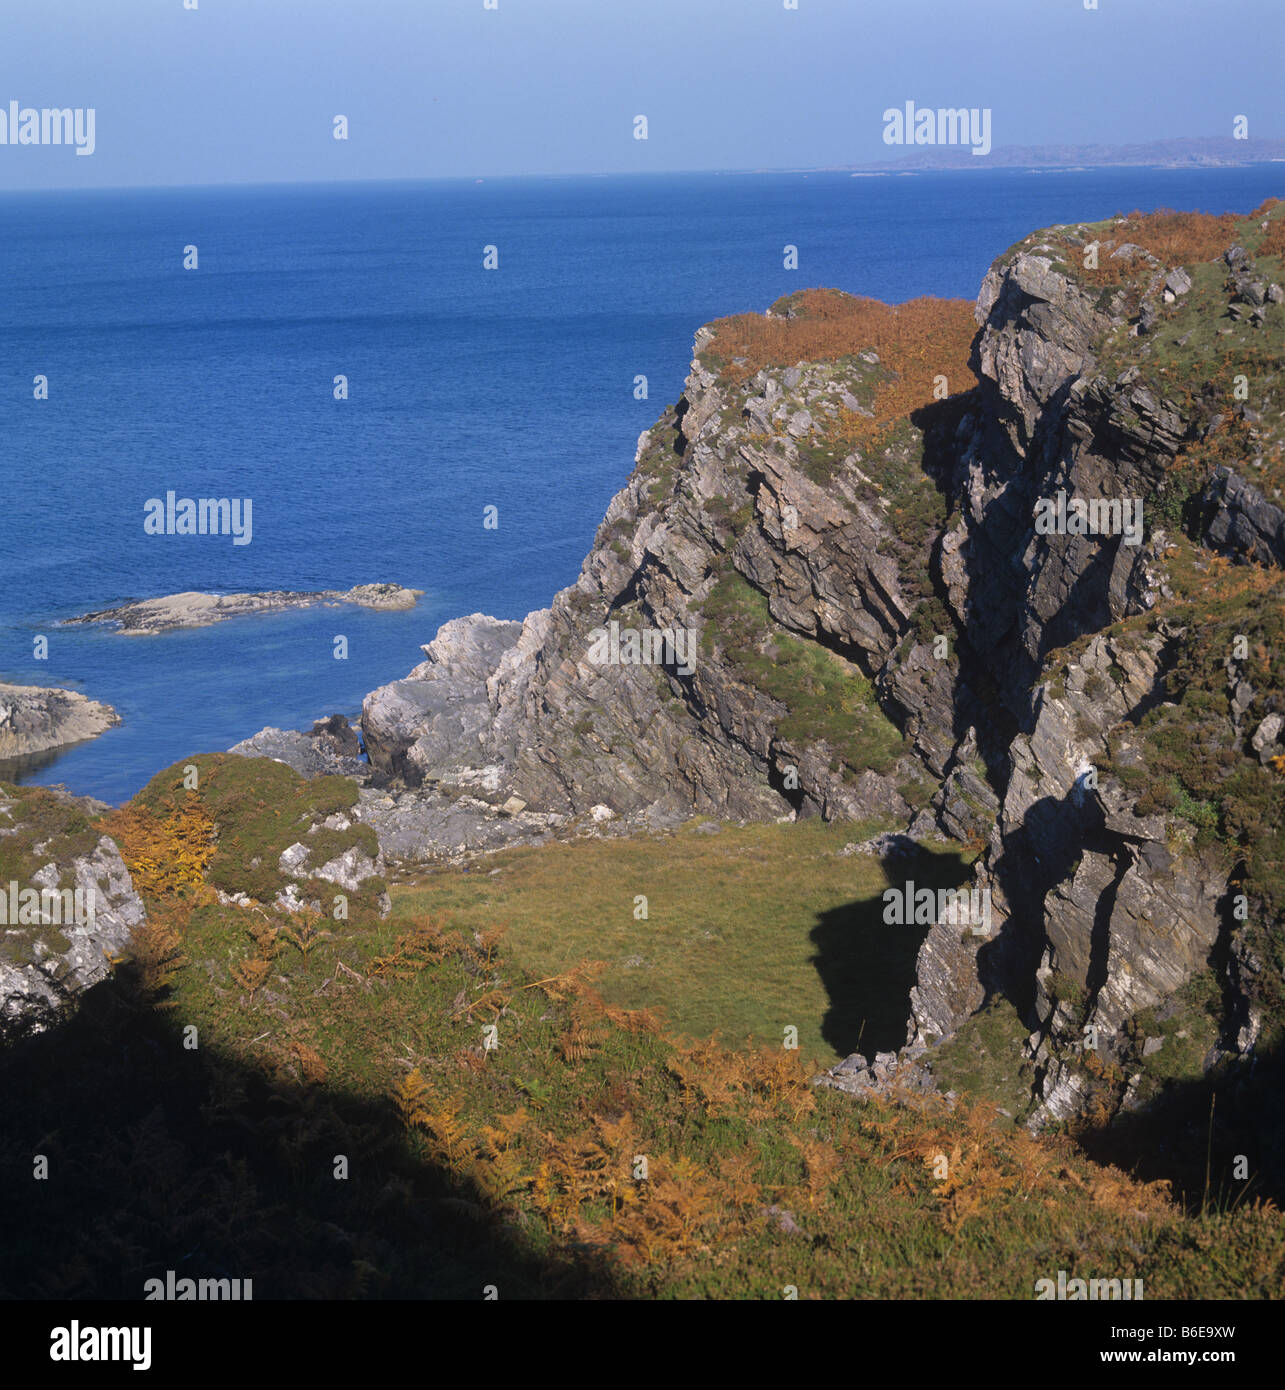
column 977, row 700
column 1199, row 1133
column 867, row 966
column 160, row 1158
column 1194, row 1133
column 1038, row 854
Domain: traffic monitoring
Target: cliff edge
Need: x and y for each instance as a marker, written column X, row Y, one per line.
column 1008, row 573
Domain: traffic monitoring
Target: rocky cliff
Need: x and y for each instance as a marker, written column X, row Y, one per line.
column 831, row 586
column 746, row 525
column 68, row 907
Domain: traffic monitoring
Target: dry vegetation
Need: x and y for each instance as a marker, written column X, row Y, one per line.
column 731, row 1137
column 1173, row 238
column 164, row 853
column 916, row 343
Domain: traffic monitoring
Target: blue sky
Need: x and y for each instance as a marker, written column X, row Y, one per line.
column 245, row 90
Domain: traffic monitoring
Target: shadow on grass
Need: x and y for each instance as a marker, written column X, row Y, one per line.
column 867, row 966
column 161, row 1158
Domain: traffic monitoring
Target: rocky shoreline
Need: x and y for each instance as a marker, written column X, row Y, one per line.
column 35, row 719
column 176, row 612
column 430, row 823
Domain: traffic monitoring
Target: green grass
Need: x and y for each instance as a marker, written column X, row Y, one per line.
column 983, row 1060
column 1188, row 1026
column 737, row 924
column 827, row 699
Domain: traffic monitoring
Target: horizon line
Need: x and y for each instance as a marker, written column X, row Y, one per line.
column 890, row 167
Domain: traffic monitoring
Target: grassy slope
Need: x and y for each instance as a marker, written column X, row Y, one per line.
column 515, row 1166
column 748, row 930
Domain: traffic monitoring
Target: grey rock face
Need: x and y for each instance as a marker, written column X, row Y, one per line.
column 507, row 710
column 1101, row 912
column 425, row 826
column 44, row 966
column 947, row 988
column 1177, row 282
column 331, row 748
column 889, row 1074
column 1266, row 737
column 348, row 871
column 1244, row 523
column 438, row 719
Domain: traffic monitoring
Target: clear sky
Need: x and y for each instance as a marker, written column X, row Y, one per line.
column 246, row 90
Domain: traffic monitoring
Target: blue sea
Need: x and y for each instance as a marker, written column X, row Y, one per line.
column 469, row 388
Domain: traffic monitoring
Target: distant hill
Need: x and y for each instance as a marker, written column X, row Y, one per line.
column 1200, row 152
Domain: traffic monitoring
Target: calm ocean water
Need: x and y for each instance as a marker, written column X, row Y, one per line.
column 469, row 388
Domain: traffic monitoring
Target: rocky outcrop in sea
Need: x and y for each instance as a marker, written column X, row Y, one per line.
column 34, row 719
column 175, row 612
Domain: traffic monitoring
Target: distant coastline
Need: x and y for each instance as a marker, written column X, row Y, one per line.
column 1206, row 152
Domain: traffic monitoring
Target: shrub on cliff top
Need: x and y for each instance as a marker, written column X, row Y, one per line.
column 1173, row 238
column 916, row 342
column 1180, row 238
